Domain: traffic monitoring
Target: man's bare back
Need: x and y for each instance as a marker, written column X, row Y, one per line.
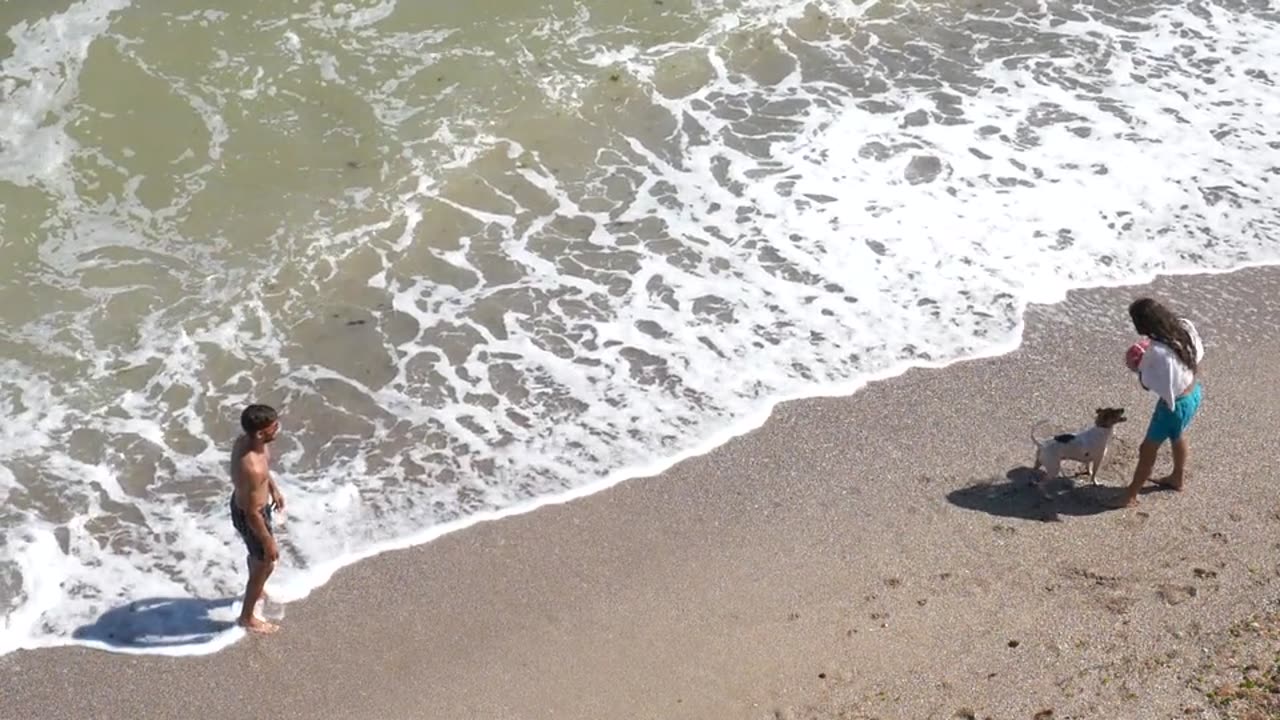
column 254, row 498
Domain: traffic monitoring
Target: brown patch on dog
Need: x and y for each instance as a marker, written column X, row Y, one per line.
column 1108, row 416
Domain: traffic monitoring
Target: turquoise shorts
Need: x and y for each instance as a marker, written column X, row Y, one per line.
column 1169, row 424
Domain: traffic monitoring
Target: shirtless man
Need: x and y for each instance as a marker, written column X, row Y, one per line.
column 253, row 500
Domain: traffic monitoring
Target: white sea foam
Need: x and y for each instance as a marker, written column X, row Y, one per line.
column 788, row 205
column 38, row 81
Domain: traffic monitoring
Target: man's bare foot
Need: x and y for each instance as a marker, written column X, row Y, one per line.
column 1127, row 502
column 1170, row 482
column 255, row 625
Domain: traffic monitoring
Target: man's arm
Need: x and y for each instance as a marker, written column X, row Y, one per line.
column 276, row 496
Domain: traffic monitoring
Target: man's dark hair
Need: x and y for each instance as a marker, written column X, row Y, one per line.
column 1159, row 323
column 257, row 417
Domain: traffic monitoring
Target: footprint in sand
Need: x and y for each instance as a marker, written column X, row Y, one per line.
column 1135, row 519
column 1110, row 582
column 1176, row 594
column 1120, row 604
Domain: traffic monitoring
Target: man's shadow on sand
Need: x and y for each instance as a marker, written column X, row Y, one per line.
column 161, row 622
column 1017, row 496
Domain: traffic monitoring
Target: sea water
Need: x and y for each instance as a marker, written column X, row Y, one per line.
column 484, row 256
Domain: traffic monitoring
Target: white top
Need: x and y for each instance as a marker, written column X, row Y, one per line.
column 1163, row 373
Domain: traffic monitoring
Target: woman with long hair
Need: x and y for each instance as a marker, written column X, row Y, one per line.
column 1167, row 368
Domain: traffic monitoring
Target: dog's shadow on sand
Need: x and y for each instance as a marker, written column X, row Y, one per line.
column 161, row 622
column 1018, row 496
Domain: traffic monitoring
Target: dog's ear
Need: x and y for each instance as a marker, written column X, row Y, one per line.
column 1097, row 411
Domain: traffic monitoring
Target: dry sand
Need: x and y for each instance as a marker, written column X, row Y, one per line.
column 873, row 556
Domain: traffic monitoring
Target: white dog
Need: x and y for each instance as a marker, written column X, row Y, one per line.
column 1087, row 446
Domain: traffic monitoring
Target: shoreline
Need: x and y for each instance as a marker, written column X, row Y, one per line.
column 768, row 514
column 320, row 576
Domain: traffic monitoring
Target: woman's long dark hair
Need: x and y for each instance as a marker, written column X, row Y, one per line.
column 1158, row 322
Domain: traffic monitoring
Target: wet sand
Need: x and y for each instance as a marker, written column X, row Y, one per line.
column 874, row 556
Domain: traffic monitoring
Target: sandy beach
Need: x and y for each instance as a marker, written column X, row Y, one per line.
column 874, row 556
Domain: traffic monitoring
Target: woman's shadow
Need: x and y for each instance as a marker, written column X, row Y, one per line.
column 161, row 622
column 1018, row 496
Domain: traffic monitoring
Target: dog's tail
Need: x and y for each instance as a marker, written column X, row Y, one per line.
column 1037, row 424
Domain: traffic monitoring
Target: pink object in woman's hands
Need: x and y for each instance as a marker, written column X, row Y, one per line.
column 1133, row 357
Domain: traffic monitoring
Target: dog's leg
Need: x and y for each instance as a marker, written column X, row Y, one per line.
column 1097, row 465
column 1052, row 468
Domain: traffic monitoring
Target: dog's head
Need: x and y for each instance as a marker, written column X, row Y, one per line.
column 1109, row 417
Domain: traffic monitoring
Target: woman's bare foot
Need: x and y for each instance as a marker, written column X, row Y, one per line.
column 1169, row 481
column 255, row 625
